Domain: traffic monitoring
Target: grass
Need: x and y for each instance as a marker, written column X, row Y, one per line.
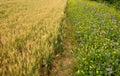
column 97, row 48
column 28, row 31
column 111, row 3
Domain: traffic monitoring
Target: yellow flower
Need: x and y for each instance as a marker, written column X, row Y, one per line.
column 91, row 61
column 97, row 71
column 78, row 71
column 83, row 59
column 91, row 67
column 114, row 52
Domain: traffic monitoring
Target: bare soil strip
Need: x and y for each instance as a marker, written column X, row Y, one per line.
column 62, row 63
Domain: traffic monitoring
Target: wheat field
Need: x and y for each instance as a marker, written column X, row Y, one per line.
column 28, row 29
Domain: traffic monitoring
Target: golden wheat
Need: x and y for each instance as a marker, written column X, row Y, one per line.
column 27, row 31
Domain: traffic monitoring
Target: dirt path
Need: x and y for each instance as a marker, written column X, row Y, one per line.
column 63, row 62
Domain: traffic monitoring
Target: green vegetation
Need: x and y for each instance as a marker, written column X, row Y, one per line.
column 112, row 3
column 97, row 37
